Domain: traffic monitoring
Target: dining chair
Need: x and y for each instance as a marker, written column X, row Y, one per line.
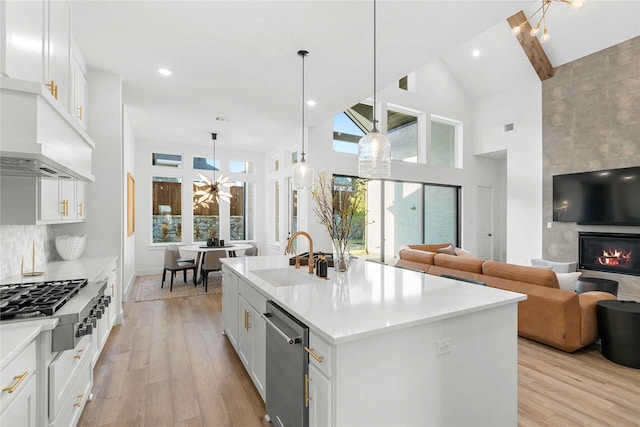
column 252, row 251
column 176, row 251
column 211, row 262
column 172, row 264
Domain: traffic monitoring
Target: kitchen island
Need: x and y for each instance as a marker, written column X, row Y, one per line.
column 388, row 346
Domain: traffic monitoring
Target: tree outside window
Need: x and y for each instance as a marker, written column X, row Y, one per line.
column 167, row 209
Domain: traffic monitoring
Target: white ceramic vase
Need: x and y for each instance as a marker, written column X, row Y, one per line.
column 71, row 247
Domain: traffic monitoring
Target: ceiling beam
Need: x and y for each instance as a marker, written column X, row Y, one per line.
column 532, row 47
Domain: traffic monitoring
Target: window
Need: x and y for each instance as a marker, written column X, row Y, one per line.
column 167, row 209
column 351, row 125
column 171, row 160
column 344, row 187
column 403, row 83
column 241, row 210
column 445, row 142
column 441, row 220
column 206, row 217
column 402, row 130
column 293, row 211
column 400, row 213
column 236, row 166
column 205, row 163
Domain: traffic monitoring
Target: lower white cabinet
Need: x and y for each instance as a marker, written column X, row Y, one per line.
column 21, row 412
column 76, row 398
column 319, row 389
column 64, row 371
column 242, row 307
column 252, row 344
column 18, row 383
column 230, row 306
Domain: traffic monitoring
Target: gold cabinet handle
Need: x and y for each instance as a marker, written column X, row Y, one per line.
column 63, row 211
column 113, row 292
column 248, row 320
column 80, row 112
column 19, row 379
column 81, row 209
column 315, row 356
column 79, row 401
column 53, row 89
column 79, row 355
column 307, row 398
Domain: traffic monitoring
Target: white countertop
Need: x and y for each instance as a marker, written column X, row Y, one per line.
column 370, row 298
column 81, row 268
column 15, row 336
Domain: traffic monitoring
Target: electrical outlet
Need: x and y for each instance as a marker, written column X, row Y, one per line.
column 443, row 346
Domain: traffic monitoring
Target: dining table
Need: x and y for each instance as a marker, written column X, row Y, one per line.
column 201, row 249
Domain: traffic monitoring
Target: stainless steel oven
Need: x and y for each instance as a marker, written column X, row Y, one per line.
column 287, row 368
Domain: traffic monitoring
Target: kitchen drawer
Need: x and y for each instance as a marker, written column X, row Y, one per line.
column 22, row 410
column 73, row 404
column 322, row 350
column 253, row 297
column 19, row 370
column 64, row 370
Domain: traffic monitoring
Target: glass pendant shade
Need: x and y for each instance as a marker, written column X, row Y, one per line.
column 302, row 175
column 374, row 155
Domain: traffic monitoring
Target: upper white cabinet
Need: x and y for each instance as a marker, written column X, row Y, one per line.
column 38, row 47
column 22, row 56
column 58, row 51
column 61, row 200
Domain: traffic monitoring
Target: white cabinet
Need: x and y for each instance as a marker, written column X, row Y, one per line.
column 22, row 53
column 79, row 88
column 319, row 393
column 242, row 307
column 109, row 310
column 18, row 401
column 57, row 58
column 252, row 344
column 61, row 200
column 22, row 411
column 230, row 306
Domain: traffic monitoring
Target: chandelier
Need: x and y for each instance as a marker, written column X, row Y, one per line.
column 374, row 149
column 535, row 30
column 212, row 189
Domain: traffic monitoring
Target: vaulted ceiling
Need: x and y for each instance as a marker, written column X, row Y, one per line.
column 236, row 72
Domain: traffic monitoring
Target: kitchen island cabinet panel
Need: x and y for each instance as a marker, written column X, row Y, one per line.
column 399, row 347
column 22, row 410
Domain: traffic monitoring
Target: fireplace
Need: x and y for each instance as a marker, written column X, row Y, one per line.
column 610, row 252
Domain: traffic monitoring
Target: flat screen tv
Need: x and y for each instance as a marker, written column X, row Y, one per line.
column 606, row 197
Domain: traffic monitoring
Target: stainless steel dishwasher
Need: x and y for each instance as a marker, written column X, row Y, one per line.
column 287, row 368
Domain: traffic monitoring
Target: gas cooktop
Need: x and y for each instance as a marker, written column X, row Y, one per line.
column 37, row 299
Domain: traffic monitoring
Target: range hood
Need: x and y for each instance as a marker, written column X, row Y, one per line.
column 38, row 137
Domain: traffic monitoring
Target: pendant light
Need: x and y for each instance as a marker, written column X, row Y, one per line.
column 374, row 149
column 212, row 188
column 302, row 170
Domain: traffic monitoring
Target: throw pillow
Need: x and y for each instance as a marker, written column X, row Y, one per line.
column 568, row 281
column 463, row 253
column 448, row 250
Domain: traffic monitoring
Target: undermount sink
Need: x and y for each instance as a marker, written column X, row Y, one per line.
column 284, row 276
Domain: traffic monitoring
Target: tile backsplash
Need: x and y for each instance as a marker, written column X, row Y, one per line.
column 16, row 243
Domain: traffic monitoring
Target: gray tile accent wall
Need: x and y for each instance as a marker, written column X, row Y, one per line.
column 590, row 121
column 16, row 243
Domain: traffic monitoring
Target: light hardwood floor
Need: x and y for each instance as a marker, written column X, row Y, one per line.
column 170, row 365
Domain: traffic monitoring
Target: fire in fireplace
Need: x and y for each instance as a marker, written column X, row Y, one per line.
column 610, row 252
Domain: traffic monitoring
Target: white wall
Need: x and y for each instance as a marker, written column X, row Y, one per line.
column 129, row 242
column 523, row 108
column 150, row 256
column 436, row 93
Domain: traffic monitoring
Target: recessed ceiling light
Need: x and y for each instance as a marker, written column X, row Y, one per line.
column 311, row 103
column 476, row 52
column 165, row 71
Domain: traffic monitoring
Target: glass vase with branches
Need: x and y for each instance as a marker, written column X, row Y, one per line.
column 342, row 212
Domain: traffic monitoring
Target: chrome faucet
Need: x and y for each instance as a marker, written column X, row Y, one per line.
column 289, row 248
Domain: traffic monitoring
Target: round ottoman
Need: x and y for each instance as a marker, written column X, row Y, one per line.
column 586, row 284
column 619, row 327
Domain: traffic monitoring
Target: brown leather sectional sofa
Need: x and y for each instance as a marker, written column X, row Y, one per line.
column 550, row 315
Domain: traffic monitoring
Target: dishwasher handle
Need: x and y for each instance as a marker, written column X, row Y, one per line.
column 288, row 339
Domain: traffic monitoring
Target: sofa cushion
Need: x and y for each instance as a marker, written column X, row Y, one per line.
column 558, row 267
column 416, row 255
column 463, row 253
column 472, row 265
column 520, row 273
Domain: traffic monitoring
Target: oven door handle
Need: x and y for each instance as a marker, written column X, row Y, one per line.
column 288, row 339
